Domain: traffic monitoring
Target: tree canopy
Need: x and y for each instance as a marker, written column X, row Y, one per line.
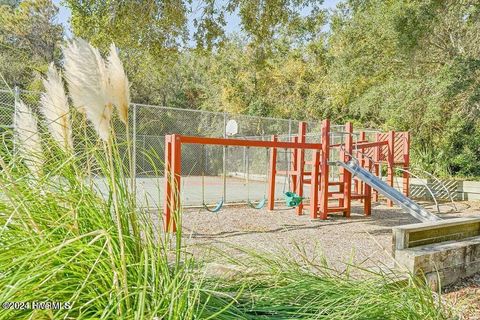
column 29, row 40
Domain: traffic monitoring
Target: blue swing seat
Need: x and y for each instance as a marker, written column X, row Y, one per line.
column 217, row 207
column 259, row 205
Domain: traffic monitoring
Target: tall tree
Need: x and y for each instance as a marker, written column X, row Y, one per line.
column 29, row 40
column 150, row 26
column 412, row 65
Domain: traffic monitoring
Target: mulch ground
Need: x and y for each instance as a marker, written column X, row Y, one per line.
column 464, row 296
column 360, row 240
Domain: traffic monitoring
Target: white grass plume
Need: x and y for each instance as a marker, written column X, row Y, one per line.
column 104, row 80
column 54, row 104
column 27, row 138
column 118, row 84
column 88, row 84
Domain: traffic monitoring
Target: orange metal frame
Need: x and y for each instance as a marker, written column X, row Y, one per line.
column 320, row 194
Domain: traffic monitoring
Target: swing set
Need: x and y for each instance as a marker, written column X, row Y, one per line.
column 220, row 202
column 391, row 149
column 218, row 206
column 173, row 152
column 260, row 204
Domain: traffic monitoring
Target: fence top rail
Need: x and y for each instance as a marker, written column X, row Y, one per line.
column 217, row 113
column 292, row 123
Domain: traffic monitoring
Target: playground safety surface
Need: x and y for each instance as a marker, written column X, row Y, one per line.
column 364, row 241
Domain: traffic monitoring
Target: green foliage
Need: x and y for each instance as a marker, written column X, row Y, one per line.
column 282, row 287
column 152, row 26
column 418, row 72
column 29, row 40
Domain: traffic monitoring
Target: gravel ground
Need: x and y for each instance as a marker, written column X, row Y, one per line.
column 365, row 241
column 464, row 296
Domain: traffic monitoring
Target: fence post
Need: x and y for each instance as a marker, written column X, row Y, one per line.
column 289, row 129
column 16, row 91
column 134, row 151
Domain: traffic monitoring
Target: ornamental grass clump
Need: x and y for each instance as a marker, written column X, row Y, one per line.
column 280, row 286
column 27, row 138
column 70, row 233
column 55, row 108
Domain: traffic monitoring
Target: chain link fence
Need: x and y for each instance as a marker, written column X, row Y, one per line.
column 209, row 173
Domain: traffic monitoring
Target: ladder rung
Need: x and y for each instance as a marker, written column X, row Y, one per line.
column 358, row 196
column 292, row 173
column 336, row 209
column 335, row 183
column 336, row 195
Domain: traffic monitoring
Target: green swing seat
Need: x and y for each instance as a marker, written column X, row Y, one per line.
column 292, row 199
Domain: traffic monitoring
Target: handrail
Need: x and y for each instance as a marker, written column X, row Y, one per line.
column 442, row 184
column 423, row 183
column 404, row 170
column 368, row 157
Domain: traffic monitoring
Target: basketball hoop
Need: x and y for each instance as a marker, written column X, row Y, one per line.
column 231, row 128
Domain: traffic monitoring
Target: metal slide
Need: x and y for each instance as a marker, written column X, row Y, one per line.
column 391, row 193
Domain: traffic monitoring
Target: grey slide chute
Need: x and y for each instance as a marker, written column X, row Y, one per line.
column 413, row 208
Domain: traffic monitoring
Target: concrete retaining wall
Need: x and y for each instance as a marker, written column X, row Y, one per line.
column 443, row 251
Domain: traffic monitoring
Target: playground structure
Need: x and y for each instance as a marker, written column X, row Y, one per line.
column 358, row 163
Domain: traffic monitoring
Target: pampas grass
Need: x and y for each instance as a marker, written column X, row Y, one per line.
column 27, row 138
column 88, row 85
column 121, row 99
column 91, row 89
column 118, row 84
column 55, row 108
